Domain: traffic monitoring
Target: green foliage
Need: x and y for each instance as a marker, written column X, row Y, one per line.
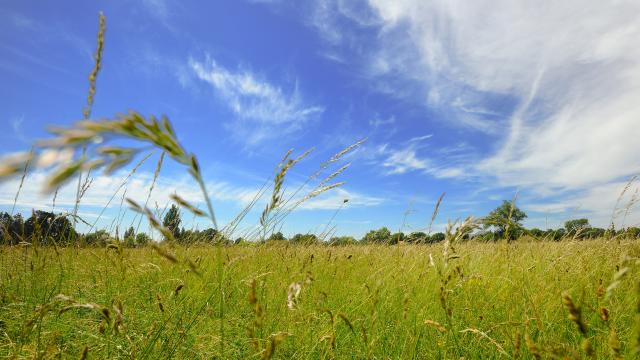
column 396, row 238
column 129, row 237
column 505, row 219
column 142, row 239
column 632, row 233
column 277, row 236
column 97, row 238
column 11, row 228
column 45, row 228
column 172, row 221
column 577, row 227
column 417, row 237
column 342, row 240
column 380, row 236
column 304, row 239
column 436, row 238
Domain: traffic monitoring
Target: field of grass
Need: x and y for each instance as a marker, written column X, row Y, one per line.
column 519, row 300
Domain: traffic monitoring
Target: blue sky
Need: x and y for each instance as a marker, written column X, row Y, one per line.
column 481, row 100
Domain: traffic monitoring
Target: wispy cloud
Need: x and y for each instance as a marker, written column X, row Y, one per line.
column 407, row 158
column 16, row 126
column 601, row 204
column 564, row 77
column 378, row 122
column 264, row 110
column 557, row 98
column 334, row 200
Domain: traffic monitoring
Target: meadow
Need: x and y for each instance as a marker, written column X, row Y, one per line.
column 524, row 300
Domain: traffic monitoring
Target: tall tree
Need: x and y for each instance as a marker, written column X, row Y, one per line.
column 129, row 237
column 380, row 236
column 505, row 218
column 46, row 228
column 304, row 239
column 172, row 221
column 576, row 225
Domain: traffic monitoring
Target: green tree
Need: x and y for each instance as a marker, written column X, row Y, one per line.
column 342, row 240
column 380, row 236
column 632, row 232
column 537, row 233
column 397, row 237
column 505, row 219
column 304, row 239
column 209, row 235
column 46, row 228
column 98, row 238
column 277, row 237
column 577, row 227
column 11, row 228
column 417, row 237
column 172, row 221
column 436, row 238
column 129, row 237
column 142, row 239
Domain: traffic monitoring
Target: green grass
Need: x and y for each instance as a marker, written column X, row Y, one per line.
column 356, row 302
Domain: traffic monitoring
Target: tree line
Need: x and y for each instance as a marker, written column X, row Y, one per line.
column 503, row 223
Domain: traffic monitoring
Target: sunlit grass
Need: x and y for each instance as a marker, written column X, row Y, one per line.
column 356, row 301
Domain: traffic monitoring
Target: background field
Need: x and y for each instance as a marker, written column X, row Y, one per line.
column 371, row 301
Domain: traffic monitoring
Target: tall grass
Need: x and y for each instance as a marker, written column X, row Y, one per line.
column 375, row 301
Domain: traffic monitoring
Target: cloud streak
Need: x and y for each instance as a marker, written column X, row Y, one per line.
column 263, row 109
column 553, row 85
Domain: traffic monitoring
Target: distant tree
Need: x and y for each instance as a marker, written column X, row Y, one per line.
column 506, row 217
column 537, row 233
column 594, row 233
column 142, row 239
column 576, row 227
column 396, row 238
column 487, row 236
column 342, row 240
column 129, row 237
column 11, row 228
column 555, row 234
column 46, row 228
column 209, row 235
column 436, row 238
column 417, row 237
column 277, row 237
column 304, row 239
column 189, row 236
column 98, row 238
column 172, row 221
column 129, row 233
column 380, row 236
column 632, row 233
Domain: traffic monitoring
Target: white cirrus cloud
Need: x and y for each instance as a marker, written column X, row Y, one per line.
column 575, row 84
column 335, row 199
column 407, row 158
column 552, row 86
column 263, row 109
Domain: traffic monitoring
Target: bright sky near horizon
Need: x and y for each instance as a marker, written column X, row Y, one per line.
column 478, row 99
